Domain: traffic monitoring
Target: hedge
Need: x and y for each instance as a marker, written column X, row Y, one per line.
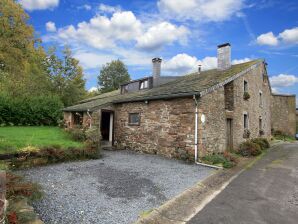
column 36, row 110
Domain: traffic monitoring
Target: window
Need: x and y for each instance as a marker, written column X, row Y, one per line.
column 245, row 86
column 260, row 124
column 78, row 118
column 144, row 84
column 260, row 99
column 245, row 121
column 134, row 119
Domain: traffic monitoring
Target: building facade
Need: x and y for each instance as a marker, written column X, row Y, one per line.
column 283, row 109
column 210, row 111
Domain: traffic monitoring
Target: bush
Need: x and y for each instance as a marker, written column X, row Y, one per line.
column 279, row 135
column 48, row 155
column 77, row 134
column 249, row 148
column 246, row 96
column 36, row 110
column 262, row 142
column 227, row 160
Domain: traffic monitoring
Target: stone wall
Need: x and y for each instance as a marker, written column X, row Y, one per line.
column 257, row 83
column 229, row 96
column 212, row 134
column 69, row 119
column 296, row 120
column 166, row 127
column 284, row 114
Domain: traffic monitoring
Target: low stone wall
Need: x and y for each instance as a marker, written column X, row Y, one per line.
column 3, row 202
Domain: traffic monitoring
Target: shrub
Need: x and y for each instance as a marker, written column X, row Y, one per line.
column 227, row 160
column 262, row 142
column 279, row 135
column 249, row 148
column 246, row 96
column 48, row 155
column 36, row 110
column 77, row 134
column 246, row 133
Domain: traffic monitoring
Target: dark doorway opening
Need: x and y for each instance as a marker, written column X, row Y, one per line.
column 105, row 125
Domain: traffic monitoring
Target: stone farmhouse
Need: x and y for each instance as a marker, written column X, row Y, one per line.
column 186, row 116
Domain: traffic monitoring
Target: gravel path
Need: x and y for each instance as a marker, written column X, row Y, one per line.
column 112, row 190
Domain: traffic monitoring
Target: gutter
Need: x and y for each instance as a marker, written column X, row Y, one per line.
column 197, row 161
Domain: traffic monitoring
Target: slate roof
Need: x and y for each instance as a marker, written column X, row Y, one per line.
column 188, row 85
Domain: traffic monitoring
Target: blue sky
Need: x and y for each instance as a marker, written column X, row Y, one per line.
column 184, row 33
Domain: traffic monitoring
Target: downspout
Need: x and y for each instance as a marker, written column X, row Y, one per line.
column 196, row 138
column 90, row 125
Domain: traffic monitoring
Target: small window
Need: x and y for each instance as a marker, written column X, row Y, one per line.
column 134, row 119
column 144, row 84
column 260, row 99
column 245, row 86
column 260, row 124
column 245, row 121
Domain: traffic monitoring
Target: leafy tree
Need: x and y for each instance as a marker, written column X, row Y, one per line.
column 66, row 76
column 20, row 56
column 112, row 75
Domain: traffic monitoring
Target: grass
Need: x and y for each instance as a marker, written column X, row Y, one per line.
column 13, row 139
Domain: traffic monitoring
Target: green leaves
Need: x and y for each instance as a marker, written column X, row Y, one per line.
column 38, row 110
column 112, row 75
column 66, row 77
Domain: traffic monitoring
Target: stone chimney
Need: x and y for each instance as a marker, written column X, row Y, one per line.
column 223, row 56
column 156, row 68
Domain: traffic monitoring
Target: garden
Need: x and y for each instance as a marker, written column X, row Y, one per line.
column 29, row 146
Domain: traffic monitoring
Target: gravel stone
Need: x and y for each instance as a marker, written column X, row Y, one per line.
column 114, row 189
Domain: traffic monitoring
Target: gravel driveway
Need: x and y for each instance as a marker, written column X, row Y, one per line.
column 112, row 190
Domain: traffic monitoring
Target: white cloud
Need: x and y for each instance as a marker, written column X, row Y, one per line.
column 93, row 89
column 290, row 36
column 51, row 26
column 161, row 34
column 283, row 80
column 239, row 61
column 184, row 63
column 102, row 32
column 267, row 39
column 86, row 7
column 91, row 60
column 39, row 4
column 275, row 90
column 108, row 8
column 200, row 10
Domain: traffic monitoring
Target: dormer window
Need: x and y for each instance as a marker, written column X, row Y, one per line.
column 144, row 84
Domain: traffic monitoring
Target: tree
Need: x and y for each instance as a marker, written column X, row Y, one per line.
column 21, row 56
column 112, row 75
column 66, row 76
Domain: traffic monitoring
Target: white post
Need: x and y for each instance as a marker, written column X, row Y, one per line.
column 111, row 127
column 196, row 134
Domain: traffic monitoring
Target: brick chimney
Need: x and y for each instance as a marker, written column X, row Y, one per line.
column 156, row 68
column 224, row 56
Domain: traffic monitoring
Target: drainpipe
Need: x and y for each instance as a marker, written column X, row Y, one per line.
column 196, row 138
column 90, row 125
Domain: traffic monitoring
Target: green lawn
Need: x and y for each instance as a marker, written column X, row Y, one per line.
column 13, row 139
